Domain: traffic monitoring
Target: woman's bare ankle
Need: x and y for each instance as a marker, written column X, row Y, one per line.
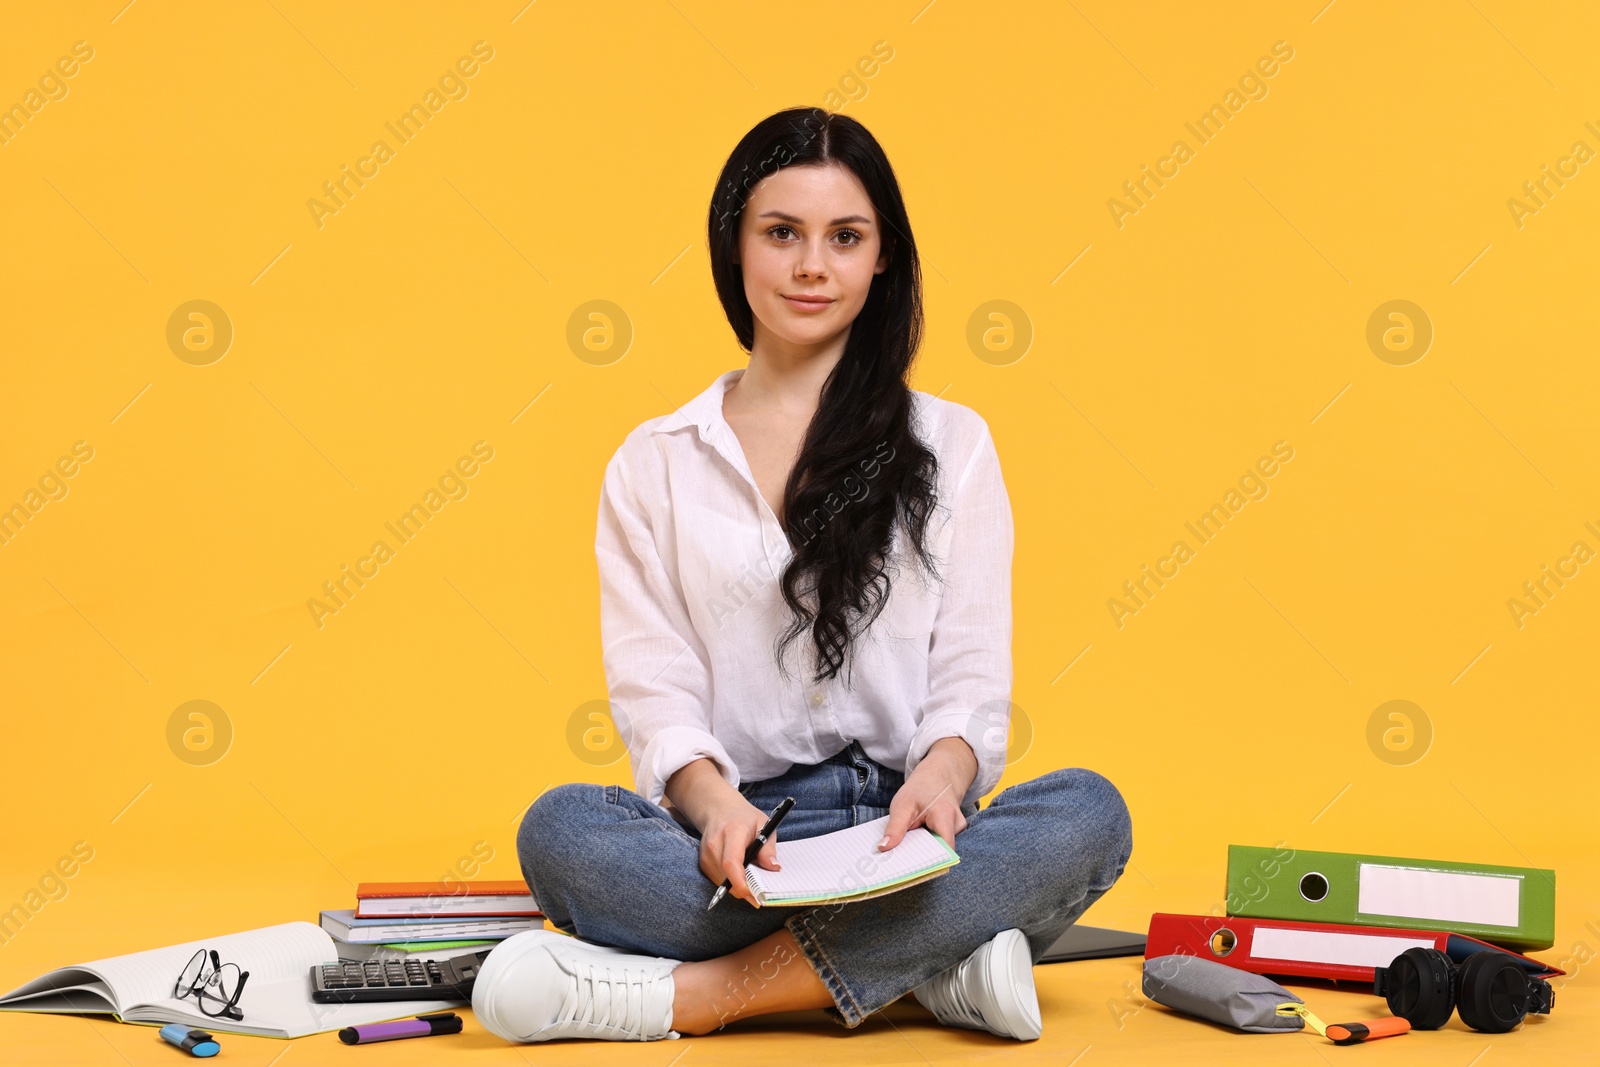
column 694, row 994
column 770, row 975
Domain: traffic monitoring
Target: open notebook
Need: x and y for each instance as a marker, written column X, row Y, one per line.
column 846, row 865
column 276, row 1002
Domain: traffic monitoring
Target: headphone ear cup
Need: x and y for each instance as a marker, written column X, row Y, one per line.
column 1419, row 988
column 1495, row 993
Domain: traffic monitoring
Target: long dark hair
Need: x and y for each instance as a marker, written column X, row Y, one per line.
column 861, row 466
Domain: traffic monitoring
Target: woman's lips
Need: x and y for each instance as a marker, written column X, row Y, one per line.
column 811, row 304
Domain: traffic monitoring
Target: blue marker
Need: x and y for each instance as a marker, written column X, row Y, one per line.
column 194, row 1042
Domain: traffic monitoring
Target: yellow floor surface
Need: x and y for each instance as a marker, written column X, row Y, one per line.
column 1093, row 1015
column 1093, row 1011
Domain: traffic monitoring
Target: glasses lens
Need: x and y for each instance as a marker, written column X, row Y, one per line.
column 228, row 982
column 221, row 990
column 191, row 975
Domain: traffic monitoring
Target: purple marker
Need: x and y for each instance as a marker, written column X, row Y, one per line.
column 444, row 1022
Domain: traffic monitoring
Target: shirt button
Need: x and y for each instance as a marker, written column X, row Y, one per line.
column 816, row 698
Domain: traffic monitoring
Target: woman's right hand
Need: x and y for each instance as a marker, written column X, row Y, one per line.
column 731, row 824
column 727, row 822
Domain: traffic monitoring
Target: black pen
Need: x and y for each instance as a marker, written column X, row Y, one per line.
column 755, row 846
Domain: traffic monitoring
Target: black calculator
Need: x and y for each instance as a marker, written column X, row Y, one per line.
column 353, row 982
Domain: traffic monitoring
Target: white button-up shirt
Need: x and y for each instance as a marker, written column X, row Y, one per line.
column 690, row 554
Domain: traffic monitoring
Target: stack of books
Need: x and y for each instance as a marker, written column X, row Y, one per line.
column 1340, row 915
column 394, row 919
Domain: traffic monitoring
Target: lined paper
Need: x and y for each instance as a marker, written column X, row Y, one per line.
column 847, row 863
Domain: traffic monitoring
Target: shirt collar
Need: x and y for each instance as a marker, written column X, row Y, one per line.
column 705, row 410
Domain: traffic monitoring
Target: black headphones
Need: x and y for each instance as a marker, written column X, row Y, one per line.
column 1490, row 989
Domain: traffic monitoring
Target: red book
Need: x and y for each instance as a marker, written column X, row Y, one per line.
column 428, row 900
column 1308, row 950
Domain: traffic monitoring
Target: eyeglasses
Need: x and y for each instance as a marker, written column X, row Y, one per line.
column 216, row 985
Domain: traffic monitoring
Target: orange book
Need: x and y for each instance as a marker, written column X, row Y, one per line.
column 453, row 899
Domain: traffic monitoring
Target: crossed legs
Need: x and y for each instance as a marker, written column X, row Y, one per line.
column 613, row 869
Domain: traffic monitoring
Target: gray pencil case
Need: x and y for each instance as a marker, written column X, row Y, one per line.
column 1219, row 993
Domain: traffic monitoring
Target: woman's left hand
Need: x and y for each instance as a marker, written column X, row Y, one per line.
column 931, row 795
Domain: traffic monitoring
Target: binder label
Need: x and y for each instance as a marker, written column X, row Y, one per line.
column 1445, row 896
column 1321, row 946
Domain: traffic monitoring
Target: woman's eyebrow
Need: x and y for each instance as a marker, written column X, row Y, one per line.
column 798, row 221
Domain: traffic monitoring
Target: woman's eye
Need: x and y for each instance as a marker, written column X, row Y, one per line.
column 782, row 232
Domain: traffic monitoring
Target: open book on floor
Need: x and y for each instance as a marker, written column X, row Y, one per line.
column 276, row 1000
column 846, row 865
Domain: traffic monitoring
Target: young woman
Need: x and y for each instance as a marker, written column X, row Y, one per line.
column 812, row 493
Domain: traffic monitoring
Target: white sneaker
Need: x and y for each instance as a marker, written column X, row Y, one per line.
column 992, row 990
column 539, row 985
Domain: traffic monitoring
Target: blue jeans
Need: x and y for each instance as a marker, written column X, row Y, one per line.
column 613, row 869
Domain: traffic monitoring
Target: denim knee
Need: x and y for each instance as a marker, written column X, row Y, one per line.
column 554, row 824
column 1100, row 814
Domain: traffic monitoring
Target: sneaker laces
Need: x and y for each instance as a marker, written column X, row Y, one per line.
column 611, row 1001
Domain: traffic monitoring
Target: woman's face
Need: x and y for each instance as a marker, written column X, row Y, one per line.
column 809, row 231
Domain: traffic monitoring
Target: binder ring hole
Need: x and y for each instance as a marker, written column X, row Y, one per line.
column 1223, row 942
column 1313, row 887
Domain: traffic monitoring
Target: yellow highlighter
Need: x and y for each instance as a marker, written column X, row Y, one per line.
column 1347, row 1033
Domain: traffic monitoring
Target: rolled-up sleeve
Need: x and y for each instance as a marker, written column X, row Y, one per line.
column 969, row 651
column 655, row 663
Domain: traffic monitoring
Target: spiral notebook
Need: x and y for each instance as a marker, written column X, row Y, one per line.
column 846, row 865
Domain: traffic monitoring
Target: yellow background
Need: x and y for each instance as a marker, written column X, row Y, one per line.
column 368, row 354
